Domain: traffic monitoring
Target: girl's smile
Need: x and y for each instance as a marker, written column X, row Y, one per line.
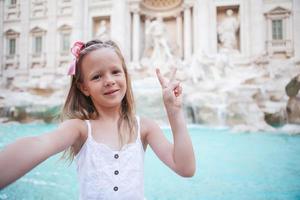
column 111, row 92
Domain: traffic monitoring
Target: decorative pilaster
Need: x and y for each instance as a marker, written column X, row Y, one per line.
column 24, row 37
column 79, row 20
column 136, row 36
column 187, row 33
column 86, row 27
column 269, row 38
column 286, row 26
column 289, row 39
column 1, row 36
column 244, row 26
column 118, row 30
column 51, row 33
column 203, row 28
column 179, row 33
column 296, row 28
column 258, row 35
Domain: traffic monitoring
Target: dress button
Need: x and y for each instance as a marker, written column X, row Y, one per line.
column 116, row 156
column 116, row 188
column 116, row 172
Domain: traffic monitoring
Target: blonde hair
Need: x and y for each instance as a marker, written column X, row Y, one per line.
column 79, row 106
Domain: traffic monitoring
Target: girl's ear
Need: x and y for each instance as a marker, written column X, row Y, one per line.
column 83, row 89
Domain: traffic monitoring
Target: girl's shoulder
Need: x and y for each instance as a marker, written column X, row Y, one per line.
column 74, row 124
column 149, row 129
column 80, row 127
column 147, row 124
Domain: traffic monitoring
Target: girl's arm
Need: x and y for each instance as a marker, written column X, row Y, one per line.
column 180, row 155
column 18, row 158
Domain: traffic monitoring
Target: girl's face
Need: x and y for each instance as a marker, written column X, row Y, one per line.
column 103, row 78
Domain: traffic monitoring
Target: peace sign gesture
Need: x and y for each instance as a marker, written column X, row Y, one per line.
column 171, row 90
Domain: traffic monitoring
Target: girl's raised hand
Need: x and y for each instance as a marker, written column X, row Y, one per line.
column 171, row 90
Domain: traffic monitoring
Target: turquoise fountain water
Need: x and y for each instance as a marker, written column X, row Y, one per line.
column 230, row 166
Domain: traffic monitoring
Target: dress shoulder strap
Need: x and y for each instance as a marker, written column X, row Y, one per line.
column 88, row 123
column 138, row 127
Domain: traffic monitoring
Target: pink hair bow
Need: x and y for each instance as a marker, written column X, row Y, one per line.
column 75, row 50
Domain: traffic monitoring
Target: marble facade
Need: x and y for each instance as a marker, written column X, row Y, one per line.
column 234, row 57
column 36, row 34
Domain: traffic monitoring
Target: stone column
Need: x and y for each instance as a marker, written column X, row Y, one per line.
column 179, row 33
column 195, row 39
column 136, row 36
column 269, row 37
column 202, row 29
column 128, row 43
column 146, row 37
column 1, row 39
column 86, row 31
column 244, row 28
column 286, row 26
column 118, row 23
column 24, row 37
column 187, row 33
column 212, row 27
column 50, row 46
column 258, row 27
column 288, row 37
column 127, row 33
column 78, row 22
column 296, row 26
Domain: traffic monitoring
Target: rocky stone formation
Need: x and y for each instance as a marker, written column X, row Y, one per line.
column 291, row 114
column 30, row 105
column 277, row 119
column 293, row 104
column 293, row 86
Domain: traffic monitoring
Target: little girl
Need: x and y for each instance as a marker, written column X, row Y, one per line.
column 102, row 132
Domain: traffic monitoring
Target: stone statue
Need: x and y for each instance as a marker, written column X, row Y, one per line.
column 227, row 31
column 157, row 41
column 200, row 69
column 197, row 70
column 209, row 68
column 102, row 31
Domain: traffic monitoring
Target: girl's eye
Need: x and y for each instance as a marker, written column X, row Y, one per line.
column 116, row 72
column 96, row 77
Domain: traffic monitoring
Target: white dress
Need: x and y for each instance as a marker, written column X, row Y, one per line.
column 105, row 174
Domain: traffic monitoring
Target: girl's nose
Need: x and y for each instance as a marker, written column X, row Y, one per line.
column 109, row 81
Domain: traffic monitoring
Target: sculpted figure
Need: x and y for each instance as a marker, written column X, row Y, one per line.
column 227, row 30
column 156, row 40
column 102, row 31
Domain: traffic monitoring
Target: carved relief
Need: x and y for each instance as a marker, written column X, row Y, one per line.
column 12, row 12
column 64, row 7
column 161, row 4
column 38, row 8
